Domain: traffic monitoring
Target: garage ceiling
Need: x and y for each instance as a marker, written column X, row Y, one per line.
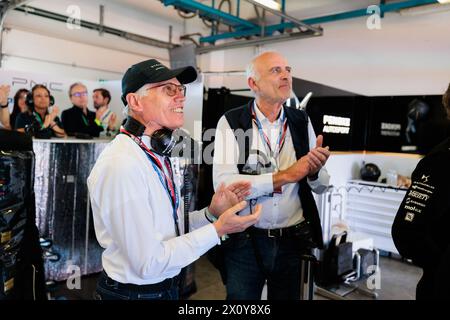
column 296, row 8
column 301, row 9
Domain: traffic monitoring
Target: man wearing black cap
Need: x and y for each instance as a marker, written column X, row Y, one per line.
column 135, row 201
column 79, row 121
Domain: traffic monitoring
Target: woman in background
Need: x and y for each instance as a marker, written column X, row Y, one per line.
column 38, row 121
column 20, row 105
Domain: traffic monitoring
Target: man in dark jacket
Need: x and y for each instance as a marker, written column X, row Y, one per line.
column 420, row 229
column 78, row 119
column 284, row 161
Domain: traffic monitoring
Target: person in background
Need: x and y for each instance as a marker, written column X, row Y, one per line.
column 4, row 112
column 78, row 119
column 420, row 228
column 20, row 105
column 102, row 99
column 38, row 121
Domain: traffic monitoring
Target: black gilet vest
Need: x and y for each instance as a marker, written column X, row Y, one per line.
column 241, row 118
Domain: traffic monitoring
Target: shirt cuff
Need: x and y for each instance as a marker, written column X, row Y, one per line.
column 212, row 230
column 320, row 184
column 262, row 185
column 209, row 216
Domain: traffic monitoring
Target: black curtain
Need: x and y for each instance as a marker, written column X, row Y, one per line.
column 21, row 263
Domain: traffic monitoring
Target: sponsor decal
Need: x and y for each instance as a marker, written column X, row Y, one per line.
column 418, row 195
column 409, row 216
column 421, row 189
column 410, row 201
column 413, row 208
column 425, row 185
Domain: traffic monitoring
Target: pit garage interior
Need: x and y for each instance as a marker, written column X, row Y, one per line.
column 370, row 75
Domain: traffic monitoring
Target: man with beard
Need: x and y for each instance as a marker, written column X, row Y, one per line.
column 102, row 99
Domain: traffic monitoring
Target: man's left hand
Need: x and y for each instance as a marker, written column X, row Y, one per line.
column 317, row 157
column 226, row 197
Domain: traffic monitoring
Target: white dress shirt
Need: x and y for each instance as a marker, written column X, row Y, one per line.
column 133, row 218
column 278, row 210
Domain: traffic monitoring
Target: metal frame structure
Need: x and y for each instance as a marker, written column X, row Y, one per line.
column 287, row 28
column 100, row 27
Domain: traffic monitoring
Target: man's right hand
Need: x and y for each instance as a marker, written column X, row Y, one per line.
column 307, row 165
column 230, row 222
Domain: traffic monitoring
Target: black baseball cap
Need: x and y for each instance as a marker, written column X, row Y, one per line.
column 153, row 71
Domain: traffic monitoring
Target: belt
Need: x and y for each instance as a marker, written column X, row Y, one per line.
column 300, row 229
column 160, row 286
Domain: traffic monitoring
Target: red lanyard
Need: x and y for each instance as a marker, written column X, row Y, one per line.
column 281, row 136
column 168, row 182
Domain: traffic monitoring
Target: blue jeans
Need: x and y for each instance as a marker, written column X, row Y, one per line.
column 108, row 289
column 280, row 259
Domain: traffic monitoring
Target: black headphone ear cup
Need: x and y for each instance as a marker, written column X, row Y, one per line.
column 29, row 100
column 134, row 127
column 52, row 100
column 162, row 141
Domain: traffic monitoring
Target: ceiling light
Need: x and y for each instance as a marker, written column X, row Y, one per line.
column 444, row 1
column 271, row 4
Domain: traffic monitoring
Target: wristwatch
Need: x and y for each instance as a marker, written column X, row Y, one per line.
column 5, row 106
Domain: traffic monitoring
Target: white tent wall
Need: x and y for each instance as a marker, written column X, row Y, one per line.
column 26, row 51
column 407, row 56
column 36, row 44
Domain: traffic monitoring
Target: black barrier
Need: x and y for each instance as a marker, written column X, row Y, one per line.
column 21, row 266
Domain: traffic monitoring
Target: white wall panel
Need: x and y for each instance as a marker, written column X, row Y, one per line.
column 407, row 56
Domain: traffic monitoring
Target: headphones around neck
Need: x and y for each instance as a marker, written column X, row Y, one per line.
column 162, row 140
column 29, row 99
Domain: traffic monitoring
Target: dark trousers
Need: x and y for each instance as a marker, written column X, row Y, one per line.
column 279, row 265
column 109, row 289
column 434, row 284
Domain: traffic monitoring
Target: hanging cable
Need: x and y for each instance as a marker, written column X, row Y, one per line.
column 229, row 11
column 189, row 37
column 185, row 15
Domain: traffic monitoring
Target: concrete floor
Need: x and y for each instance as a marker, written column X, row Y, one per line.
column 398, row 282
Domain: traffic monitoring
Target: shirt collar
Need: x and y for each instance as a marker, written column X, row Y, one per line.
column 146, row 140
column 262, row 118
